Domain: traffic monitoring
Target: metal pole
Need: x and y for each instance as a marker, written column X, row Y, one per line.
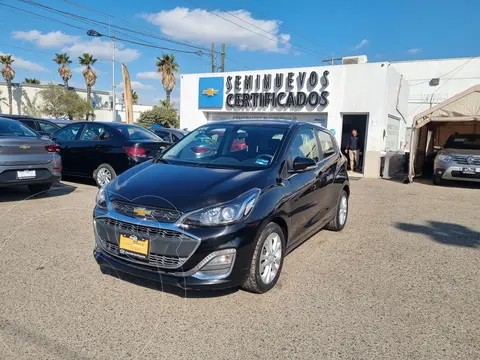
column 213, row 57
column 223, row 58
column 114, row 110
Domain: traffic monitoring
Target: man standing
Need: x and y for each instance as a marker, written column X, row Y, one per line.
column 353, row 150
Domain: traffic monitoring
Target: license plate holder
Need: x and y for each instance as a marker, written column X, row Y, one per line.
column 26, row 174
column 132, row 246
column 468, row 170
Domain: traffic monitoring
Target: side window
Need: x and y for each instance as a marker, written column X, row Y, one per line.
column 175, row 138
column 47, row 127
column 96, row 132
column 68, row 133
column 304, row 144
column 327, row 144
column 165, row 136
column 29, row 123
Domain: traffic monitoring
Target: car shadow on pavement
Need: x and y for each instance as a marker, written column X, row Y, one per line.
column 448, row 184
column 445, row 233
column 19, row 193
column 154, row 285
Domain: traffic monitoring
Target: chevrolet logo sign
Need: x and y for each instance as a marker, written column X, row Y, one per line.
column 210, row 92
column 24, row 147
column 142, row 211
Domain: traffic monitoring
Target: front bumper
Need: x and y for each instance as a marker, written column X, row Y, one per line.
column 176, row 256
column 457, row 173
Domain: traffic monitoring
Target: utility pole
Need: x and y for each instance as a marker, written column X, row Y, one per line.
column 114, row 110
column 222, row 62
column 213, row 57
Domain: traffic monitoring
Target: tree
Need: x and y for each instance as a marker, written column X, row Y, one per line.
column 89, row 74
column 8, row 75
column 160, row 115
column 61, row 103
column 134, row 97
column 32, row 81
column 168, row 67
column 30, row 106
column 64, row 70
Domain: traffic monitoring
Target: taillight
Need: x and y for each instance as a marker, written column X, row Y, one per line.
column 199, row 150
column 135, row 151
column 52, row 148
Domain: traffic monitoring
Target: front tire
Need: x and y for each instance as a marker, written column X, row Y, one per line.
column 39, row 188
column 267, row 260
column 104, row 174
column 341, row 215
column 437, row 180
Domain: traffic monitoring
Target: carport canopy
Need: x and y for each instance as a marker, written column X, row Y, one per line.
column 464, row 106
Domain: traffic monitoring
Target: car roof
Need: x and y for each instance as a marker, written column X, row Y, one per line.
column 272, row 122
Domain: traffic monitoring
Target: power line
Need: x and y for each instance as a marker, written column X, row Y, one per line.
column 441, row 76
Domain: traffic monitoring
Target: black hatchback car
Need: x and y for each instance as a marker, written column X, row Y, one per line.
column 104, row 150
column 227, row 219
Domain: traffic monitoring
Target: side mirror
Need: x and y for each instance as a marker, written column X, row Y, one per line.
column 438, row 147
column 301, row 164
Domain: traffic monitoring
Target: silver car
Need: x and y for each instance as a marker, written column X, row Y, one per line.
column 26, row 158
column 458, row 159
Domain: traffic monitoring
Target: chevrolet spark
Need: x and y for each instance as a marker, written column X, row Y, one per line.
column 228, row 218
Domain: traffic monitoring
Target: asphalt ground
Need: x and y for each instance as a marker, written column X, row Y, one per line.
column 402, row 281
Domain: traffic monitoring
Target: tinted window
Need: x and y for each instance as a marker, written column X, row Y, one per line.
column 466, row 142
column 134, row 132
column 29, row 123
column 165, row 136
column 304, row 144
column 68, row 133
column 175, row 138
column 46, row 126
column 96, row 132
column 327, row 144
column 15, row 128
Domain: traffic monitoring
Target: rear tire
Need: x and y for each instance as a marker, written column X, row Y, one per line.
column 341, row 214
column 437, row 180
column 104, row 174
column 39, row 188
column 260, row 279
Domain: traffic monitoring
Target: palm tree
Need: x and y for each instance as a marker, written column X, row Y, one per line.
column 89, row 74
column 32, row 81
column 64, row 70
column 8, row 75
column 168, row 67
column 134, row 97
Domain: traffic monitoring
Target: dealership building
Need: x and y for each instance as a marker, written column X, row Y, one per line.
column 379, row 99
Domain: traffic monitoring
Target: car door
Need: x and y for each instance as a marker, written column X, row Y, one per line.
column 306, row 208
column 67, row 139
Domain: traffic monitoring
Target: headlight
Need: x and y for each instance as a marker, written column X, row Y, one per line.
column 227, row 213
column 101, row 199
column 444, row 157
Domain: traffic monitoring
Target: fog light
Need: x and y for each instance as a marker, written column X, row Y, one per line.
column 218, row 265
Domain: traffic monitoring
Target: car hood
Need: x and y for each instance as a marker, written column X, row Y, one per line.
column 184, row 188
column 461, row 152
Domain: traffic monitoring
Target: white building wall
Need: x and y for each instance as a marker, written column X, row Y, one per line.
column 102, row 110
column 456, row 75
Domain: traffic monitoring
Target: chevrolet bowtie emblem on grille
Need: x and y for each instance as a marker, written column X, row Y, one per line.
column 470, row 160
column 24, row 147
column 210, row 92
column 142, row 211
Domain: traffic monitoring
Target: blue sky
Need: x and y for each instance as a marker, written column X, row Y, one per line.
column 272, row 34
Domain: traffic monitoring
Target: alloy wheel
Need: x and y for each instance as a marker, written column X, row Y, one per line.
column 270, row 258
column 343, row 210
column 104, row 176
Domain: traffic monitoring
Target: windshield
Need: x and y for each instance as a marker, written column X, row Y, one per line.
column 134, row 132
column 465, row 142
column 233, row 146
column 15, row 128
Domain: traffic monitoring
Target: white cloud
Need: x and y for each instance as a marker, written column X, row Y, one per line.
column 149, row 75
column 102, row 50
column 361, row 44
column 26, row 65
column 137, row 85
column 203, row 27
column 414, row 51
column 52, row 39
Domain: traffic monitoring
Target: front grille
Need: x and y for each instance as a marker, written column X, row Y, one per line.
column 159, row 214
column 154, row 260
column 144, row 231
column 463, row 160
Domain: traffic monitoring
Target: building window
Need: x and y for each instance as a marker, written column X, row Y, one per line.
column 393, row 132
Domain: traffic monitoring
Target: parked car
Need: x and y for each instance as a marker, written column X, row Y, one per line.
column 458, row 159
column 169, row 135
column 41, row 126
column 61, row 122
column 26, row 158
column 104, row 150
column 227, row 219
